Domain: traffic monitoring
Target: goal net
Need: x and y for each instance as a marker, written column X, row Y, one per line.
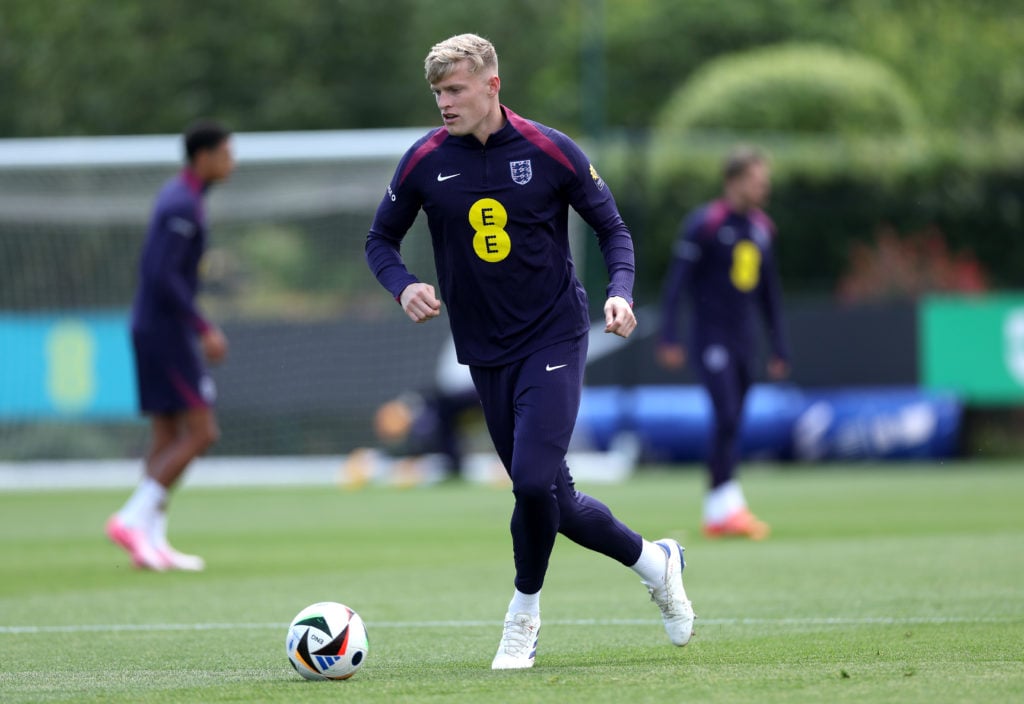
column 316, row 344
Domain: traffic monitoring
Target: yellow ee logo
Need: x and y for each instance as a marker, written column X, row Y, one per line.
column 488, row 218
column 70, row 357
column 746, row 266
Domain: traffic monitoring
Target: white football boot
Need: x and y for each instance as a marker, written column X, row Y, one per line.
column 518, row 645
column 175, row 560
column 670, row 595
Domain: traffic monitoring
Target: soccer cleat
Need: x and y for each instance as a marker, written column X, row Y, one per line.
column 359, row 468
column 133, row 540
column 518, row 645
column 180, row 561
column 670, row 595
column 741, row 524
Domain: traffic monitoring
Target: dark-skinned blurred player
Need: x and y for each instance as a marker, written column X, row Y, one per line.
column 170, row 338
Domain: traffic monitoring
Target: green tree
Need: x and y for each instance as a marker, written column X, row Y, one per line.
column 104, row 67
column 964, row 58
column 792, row 87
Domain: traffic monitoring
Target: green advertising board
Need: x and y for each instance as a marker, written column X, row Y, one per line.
column 974, row 346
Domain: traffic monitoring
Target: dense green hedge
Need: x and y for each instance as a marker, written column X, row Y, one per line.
column 829, row 192
column 142, row 67
column 792, row 88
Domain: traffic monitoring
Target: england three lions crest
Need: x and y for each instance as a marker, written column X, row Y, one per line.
column 522, row 171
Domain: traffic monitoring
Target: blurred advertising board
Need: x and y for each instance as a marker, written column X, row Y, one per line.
column 974, row 346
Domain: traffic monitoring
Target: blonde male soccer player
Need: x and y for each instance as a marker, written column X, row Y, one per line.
column 496, row 189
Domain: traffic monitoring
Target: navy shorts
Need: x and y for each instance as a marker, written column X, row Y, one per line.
column 531, row 405
column 170, row 374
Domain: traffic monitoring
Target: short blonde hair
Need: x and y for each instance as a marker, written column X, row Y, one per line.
column 463, row 47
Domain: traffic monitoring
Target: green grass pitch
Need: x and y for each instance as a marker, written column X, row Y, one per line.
column 880, row 583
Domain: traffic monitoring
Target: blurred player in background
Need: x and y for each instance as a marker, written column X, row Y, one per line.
column 422, row 432
column 496, row 189
column 168, row 333
column 723, row 263
column 425, row 433
column 428, row 424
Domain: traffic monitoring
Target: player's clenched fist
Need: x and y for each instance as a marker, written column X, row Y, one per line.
column 618, row 316
column 214, row 345
column 420, row 303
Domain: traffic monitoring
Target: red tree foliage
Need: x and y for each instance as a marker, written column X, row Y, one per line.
column 894, row 266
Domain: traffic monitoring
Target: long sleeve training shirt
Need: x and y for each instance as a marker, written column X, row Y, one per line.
column 724, row 265
column 165, row 299
column 498, row 219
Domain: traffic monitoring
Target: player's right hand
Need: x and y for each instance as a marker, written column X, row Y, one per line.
column 214, row 345
column 420, row 303
column 778, row 368
column 671, row 355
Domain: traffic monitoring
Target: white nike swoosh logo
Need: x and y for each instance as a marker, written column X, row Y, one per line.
column 445, row 178
column 551, row 369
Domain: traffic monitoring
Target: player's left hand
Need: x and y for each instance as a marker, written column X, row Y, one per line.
column 618, row 316
column 419, row 302
column 214, row 345
column 778, row 368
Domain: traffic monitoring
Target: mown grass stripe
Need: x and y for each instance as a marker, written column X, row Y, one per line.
column 783, row 622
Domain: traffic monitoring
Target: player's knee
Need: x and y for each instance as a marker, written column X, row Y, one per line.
column 212, row 434
column 530, row 488
column 727, row 425
column 206, row 436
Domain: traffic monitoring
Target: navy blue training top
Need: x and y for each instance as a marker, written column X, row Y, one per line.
column 498, row 219
column 724, row 263
column 169, row 266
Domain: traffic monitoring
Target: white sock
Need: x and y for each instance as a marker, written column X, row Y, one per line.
column 723, row 501
column 651, row 565
column 524, row 603
column 143, row 504
column 158, row 530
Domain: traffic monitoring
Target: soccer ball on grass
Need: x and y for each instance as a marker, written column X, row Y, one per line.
column 327, row 641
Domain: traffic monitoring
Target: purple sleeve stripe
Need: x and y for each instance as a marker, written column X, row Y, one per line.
column 714, row 216
column 430, row 145
column 764, row 221
column 192, row 182
column 539, row 139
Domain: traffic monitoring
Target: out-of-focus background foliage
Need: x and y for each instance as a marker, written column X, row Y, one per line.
column 895, row 132
column 878, row 114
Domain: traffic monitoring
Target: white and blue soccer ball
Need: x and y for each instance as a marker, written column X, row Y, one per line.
column 327, row 641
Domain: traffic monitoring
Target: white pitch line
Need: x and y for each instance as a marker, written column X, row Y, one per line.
column 814, row 621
